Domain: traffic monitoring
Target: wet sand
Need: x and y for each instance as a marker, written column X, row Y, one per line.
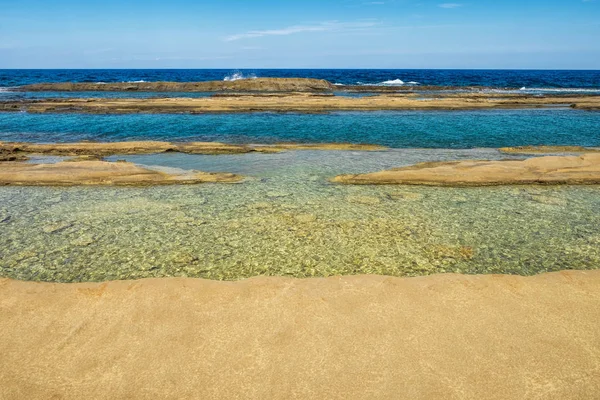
column 296, row 102
column 366, row 337
column 572, row 170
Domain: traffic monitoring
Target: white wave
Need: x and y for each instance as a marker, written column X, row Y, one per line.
column 100, row 83
column 393, row 82
column 140, row 81
column 338, row 84
column 236, row 76
column 413, row 83
column 4, row 90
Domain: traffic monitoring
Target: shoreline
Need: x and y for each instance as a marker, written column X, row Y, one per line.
column 456, row 336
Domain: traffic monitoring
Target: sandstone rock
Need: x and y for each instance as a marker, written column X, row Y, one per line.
column 584, row 169
column 100, row 173
column 241, row 85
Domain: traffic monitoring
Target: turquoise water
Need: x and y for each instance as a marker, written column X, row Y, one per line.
column 402, row 129
column 286, row 219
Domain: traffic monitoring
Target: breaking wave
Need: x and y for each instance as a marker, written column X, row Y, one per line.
column 393, row 82
column 236, row 76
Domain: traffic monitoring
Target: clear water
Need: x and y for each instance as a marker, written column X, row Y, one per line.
column 557, row 79
column 404, row 129
column 286, row 219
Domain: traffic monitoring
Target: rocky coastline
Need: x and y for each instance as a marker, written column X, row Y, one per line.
column 548, row 170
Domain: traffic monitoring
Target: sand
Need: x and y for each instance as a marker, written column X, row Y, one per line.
column 294, row 102
column 100, row 173
column 367, row 337
column 573, row 170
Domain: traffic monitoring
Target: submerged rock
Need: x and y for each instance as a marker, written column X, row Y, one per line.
column 406, row 196
column 549, row 200
column 366, row 200
column 57, row 227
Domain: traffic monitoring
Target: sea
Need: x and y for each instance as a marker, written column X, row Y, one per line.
column 286, row 218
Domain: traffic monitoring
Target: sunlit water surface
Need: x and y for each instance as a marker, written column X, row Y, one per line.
column 286, row 219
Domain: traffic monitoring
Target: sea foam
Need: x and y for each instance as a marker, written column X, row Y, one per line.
column 236, row 76
column 393, row 82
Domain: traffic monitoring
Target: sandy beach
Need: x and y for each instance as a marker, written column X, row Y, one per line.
column 365, row 337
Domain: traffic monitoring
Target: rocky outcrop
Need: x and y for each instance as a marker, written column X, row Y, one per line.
column 241, row 85
column 290, row 102
column 439, row 337
column 547, row 149
column 91, row 149
column 100, row 173
column 573, row 170
column 8, row 154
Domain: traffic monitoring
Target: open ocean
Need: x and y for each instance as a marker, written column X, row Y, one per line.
column 529, row 79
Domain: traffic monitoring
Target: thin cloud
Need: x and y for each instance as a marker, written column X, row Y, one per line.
column 332, row 26
column 450, row 5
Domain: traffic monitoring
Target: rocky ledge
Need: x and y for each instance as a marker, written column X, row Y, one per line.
column 293, row 102
column 11, row 151
column 100, row 173
column 242, row 85
column 573, row 170
column 547, row 149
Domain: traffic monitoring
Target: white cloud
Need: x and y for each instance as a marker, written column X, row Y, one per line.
column 450, row 5
column 290, row 30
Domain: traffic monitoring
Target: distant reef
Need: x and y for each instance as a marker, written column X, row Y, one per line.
column 241, row 85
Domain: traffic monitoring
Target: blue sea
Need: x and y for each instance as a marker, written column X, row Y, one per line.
column 405, row 129
column 530, row 79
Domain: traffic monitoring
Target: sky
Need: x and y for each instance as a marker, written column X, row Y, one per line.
column 513, row 34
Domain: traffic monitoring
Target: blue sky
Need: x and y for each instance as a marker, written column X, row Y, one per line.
column 300, row 34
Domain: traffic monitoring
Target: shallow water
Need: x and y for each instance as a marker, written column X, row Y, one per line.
column 287, row 219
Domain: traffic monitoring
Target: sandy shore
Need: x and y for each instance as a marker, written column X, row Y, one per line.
column 71, row 173
column 294, row 103
column 367, row 337
column 573, row 170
